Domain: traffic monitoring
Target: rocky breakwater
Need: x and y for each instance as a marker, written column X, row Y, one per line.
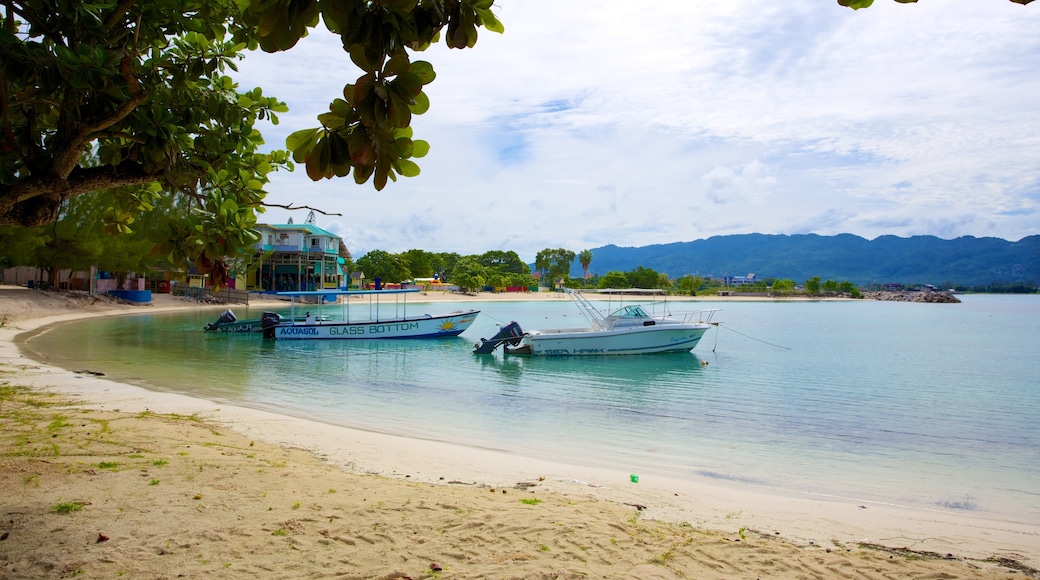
column 908, row 296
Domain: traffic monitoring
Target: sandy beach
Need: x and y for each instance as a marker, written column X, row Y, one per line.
column 102, row 480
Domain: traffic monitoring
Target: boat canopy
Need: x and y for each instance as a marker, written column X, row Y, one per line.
column 635, row 291
column 304, row 293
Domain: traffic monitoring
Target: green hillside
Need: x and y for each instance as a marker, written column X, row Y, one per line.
column 920, row 259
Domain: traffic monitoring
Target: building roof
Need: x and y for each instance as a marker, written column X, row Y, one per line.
column 309, row 228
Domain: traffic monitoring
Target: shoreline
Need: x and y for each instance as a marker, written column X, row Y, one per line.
column 806, row 526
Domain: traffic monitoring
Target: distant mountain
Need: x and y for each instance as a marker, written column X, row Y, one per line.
column 917, row 260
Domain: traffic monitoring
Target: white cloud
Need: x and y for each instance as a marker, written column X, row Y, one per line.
column 590, row 123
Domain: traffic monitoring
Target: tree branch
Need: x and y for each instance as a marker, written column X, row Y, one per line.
column 24, row 203
column 291, row 208
column 67, row 156
column 118, row 13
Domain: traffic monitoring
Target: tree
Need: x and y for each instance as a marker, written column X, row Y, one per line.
column 18, row 246
column 613, row 279
column 132, row 98
column 643, row 277
column 419, row 263
column 77, row 241
column 783, row 287
column 850, row 289
column 690, row 284
column 503, row 261
column 554, row 264
column 469, row 274
column 812, row 286
column 389, row 268
column 585, row 258
column 444, row 264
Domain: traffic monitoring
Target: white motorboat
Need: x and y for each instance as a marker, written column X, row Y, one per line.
column 629, row 329
column 374, row 320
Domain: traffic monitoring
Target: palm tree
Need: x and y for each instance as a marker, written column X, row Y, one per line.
column 585, row 257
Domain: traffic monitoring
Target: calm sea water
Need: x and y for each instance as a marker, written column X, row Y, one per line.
column 926, row 405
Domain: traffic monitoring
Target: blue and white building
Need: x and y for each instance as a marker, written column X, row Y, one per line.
column 299, row 257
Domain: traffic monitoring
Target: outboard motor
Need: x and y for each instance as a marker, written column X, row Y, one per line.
column 226, row 317
column 268, row 322
column 511, row 335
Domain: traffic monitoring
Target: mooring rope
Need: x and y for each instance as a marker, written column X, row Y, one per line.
column 719, row 325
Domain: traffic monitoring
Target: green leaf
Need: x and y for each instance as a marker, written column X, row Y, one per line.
column 423, row 70
column 360, row 58
column 302, row 139
column 421, row 104
column 397, row 64
column 420, row 148
column 407, row 168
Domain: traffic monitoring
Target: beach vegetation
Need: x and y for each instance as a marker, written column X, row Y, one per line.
column 160, row 462
column 67, row 507
column 503, row 262
column 530, row 501
column 554, row 264
column 59, row 422
column 421, row 264
column 49, row 450
column 102, row 425
column 469, row 274
column 613, row 279
column 664, row 557
column 783, row 287
column 280, row 532
column 812, row 286
column 153, row 482
column 585, row 259
column 689, row 284
column 113, row 465
column 388, row 267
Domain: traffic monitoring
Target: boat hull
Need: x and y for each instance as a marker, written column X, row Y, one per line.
column 444, row 326
column 641, row 340
column 255, row 325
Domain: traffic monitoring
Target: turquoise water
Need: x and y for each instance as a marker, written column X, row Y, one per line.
column 933, row 406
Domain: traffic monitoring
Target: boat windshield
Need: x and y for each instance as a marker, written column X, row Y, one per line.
column 631, row 312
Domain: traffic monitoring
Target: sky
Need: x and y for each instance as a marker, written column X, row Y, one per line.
column 596, row 122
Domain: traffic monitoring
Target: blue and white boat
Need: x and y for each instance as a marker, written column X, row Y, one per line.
column 360, row 319
column 626, row 330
